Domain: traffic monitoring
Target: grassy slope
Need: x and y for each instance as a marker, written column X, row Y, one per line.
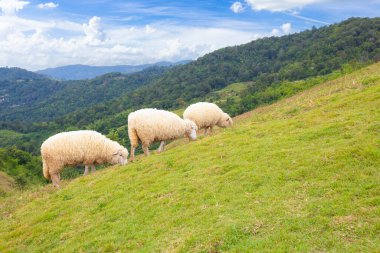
column 300, row 175
column 6, row 183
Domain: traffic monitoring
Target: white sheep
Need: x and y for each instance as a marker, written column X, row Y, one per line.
column 207, row 115
column 150, row 125
column 79, row 147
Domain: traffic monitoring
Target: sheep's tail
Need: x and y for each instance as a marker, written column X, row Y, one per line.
column 133, row 137
column 45, row 169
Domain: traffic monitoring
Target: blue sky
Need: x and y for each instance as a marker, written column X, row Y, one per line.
column 41, row 34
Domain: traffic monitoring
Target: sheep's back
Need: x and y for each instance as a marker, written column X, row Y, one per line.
column 153, row 124
column 203, row 114
column 74, row 146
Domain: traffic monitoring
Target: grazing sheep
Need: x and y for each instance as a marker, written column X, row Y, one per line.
column 207, row 115
column 150, row 125
column 79, row 147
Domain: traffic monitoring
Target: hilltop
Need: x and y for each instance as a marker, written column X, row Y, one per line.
column 300, row 175
column 80, row 71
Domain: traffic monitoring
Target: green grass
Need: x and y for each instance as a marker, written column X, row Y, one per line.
column 232, row 91
column 301, row 175
column 6, row 184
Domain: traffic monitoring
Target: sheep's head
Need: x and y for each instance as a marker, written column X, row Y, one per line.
column 120, row 157
column 225, row 121
column 191, row 130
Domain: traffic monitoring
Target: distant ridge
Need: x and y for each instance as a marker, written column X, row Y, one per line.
column 79, row 71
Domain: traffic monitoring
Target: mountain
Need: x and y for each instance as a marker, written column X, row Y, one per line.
column 79, row 72
column 33, row 97
column 19, row 87
column 301, row 175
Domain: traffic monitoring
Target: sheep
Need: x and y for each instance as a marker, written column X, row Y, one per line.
column 79, row 147
column 207, row 115
column 150, row 125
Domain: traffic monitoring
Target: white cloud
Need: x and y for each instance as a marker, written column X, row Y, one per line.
column 49, row 5
column 10, row 7
column 36, row 44
column 237, row 7
column 308, row 19
column 276, row 32
column 9, row 24
column 286, row 28
column 94, row 32
column 284, row 5
column 149, row 29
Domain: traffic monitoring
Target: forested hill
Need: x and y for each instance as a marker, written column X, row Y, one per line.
column 15, row 74
column 30, row 97
column 19, row 87
column 266, row 62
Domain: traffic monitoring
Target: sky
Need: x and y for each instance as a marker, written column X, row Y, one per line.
column 40, row 34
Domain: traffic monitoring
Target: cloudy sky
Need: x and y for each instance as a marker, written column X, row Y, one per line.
column 40, row 34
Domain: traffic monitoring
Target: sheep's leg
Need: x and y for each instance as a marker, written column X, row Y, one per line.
column 207, row 130
column 146, row 150
column 93, row 168
column 210, row 130
column 55, row 179
column 161, row 147
column 85, row 170
column 132, row 157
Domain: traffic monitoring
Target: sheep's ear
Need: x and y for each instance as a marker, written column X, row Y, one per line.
column 117, row 152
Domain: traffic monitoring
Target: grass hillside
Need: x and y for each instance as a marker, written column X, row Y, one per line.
column 6, row 183
column 301, row 175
